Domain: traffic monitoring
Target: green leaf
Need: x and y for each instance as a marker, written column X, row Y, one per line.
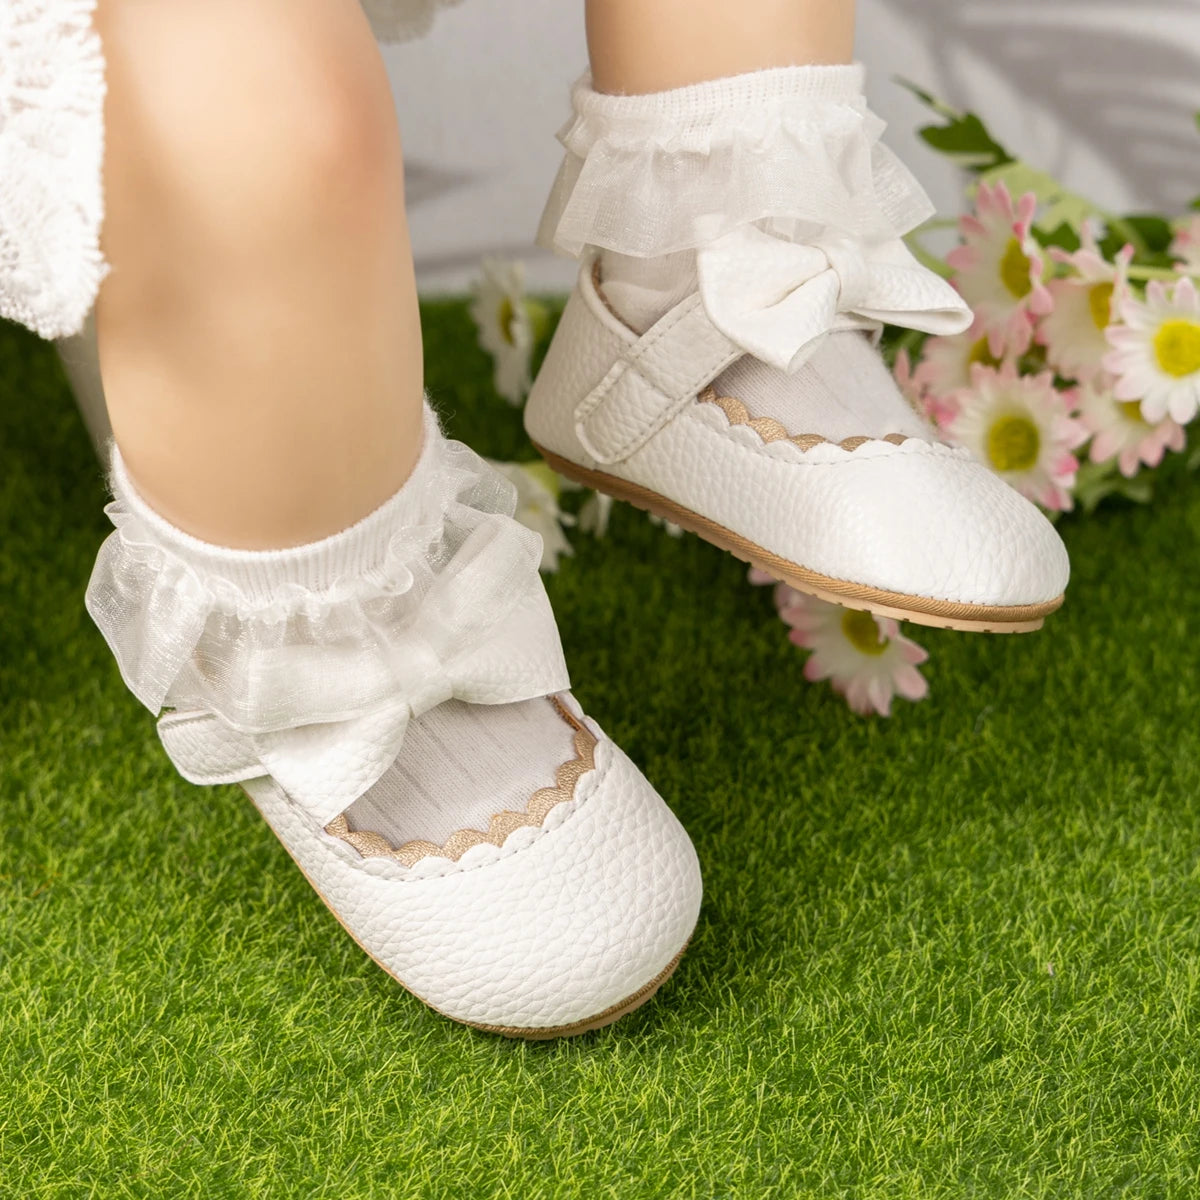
column 1150, row 235
column 967, row 142
column 895, row 339
column 963, row 138
column 1155, row 231
column 1096, row 482
column 929, row 99
column 1063, row 236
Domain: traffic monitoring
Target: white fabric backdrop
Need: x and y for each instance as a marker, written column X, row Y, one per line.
column 1102, row 92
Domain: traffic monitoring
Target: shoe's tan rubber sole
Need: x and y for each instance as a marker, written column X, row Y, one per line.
column 598, row 1021
column 921, row 610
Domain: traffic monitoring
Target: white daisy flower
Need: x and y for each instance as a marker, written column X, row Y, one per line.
column 864, row 657
column 594, row 514
column 1021, row 427
column 503, row 320
column 999, row 267
column 1155, row 354
column 1086, row 303
column 538, row 490
column 668, row 527
column 1120, row 431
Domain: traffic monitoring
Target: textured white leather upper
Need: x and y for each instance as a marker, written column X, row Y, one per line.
column 918, row 518
column 559, row 924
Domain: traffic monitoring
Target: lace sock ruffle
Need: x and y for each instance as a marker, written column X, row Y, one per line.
column 51, row 153
column 309, row 659
column 651, row 174
column 402, row 20
column 771, row 195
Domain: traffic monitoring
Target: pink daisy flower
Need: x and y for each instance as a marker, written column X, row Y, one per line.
column 866, row 658
column 945, row 369
column 1021, row 427
column 1155, row 354
column 999, row 269
column 1120, row 431
column 902, row 372
column 926, row 405
column 1086, row 303
column 785, row 595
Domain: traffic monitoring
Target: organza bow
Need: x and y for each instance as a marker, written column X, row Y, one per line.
column 483, row 633
column 777, row 298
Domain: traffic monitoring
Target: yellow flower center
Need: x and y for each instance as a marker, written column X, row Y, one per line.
column 1013, row 443
column 862, row 632
column 982, row 355
column 1132, row 410
column 505, row 316
column 1177, row 347
column 1100, row 302
column 1015, row 270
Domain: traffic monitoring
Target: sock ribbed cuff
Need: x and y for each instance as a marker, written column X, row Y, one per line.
column 261, row 575
column 701, row 103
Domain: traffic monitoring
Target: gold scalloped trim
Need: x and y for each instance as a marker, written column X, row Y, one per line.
column 771, row 430
column 501, row 825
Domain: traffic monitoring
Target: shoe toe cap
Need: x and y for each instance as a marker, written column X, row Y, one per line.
column 586, row 913
column 943, row 526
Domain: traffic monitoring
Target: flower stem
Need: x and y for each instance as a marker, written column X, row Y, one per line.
column 1160, row 273
column 926, row 257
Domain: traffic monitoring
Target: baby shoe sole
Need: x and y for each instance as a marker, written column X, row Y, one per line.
column 920, row 610
column 588, row 1024
column 613, row 1013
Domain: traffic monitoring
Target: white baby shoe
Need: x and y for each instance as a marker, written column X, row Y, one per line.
column 394, row 701
column 741, row 245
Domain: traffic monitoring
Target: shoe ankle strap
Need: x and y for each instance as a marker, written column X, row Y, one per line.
column 654, row 378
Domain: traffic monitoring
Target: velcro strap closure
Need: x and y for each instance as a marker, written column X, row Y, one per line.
column 656, row 377
column 207, row 751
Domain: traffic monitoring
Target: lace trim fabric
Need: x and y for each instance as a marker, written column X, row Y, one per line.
column 411, row 627
column 647, row 177
column 51, row 155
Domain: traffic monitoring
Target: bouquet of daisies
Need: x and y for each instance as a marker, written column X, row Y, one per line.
column 1083, row 366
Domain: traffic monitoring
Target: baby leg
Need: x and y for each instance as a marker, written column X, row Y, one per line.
column 259, row 337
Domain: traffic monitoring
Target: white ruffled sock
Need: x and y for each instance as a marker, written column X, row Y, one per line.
column 650, row 178
column 459, row 763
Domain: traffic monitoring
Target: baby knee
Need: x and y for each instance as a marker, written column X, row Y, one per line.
column 231, row 113
column 339, row 138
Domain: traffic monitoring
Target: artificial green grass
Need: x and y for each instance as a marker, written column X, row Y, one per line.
column 953, row 954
